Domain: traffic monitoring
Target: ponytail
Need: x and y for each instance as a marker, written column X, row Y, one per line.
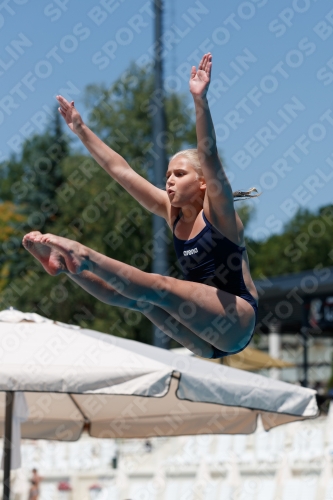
column 245, row 195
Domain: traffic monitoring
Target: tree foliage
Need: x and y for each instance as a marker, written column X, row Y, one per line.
column 305, row 242
column 89, row 206
column 9, row 218
column 30, row 180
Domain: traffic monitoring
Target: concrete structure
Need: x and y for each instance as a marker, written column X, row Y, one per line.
column 320, row 354
column 295, row 320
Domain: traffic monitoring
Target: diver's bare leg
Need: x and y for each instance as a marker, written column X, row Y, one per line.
column 160, row 318
column 54, row 263
column 224, row 320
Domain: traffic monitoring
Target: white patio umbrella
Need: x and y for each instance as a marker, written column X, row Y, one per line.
column 75, row 378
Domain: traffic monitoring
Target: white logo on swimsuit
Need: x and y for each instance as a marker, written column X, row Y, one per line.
column 190, row 252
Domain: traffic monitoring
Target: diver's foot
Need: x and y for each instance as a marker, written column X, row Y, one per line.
column 75, row 258
column 52, row 260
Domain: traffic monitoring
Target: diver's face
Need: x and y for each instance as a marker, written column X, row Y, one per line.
column 183, row 184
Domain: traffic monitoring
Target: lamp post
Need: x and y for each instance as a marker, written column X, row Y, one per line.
column 7, row 446
column 160, row 259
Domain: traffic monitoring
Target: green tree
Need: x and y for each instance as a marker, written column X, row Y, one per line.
column 9, row 218
column 95, row 210
column 306, row 242
column 30, row 180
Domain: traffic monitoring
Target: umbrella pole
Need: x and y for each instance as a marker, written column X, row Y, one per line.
column 7, row 444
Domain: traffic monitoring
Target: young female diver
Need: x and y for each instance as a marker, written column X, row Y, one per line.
column 213, row 310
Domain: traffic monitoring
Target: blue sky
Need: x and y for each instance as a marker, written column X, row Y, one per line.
column 271, row 93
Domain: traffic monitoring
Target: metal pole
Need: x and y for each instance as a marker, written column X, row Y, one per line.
column 7, row 444
column 274, row 343
column 304, row 333
column 160, row 233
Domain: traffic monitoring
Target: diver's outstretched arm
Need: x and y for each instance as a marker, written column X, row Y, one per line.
column 149, row 196
column 218, row 187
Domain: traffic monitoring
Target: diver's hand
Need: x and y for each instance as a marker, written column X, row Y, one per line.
column 71, row 116
column 200, row 80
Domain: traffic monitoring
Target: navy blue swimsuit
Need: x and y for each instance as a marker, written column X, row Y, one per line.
column 214, row 260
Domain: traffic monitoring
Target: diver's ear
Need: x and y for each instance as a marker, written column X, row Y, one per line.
column 203, row 185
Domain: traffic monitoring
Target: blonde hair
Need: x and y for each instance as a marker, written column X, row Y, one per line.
column 193, row 157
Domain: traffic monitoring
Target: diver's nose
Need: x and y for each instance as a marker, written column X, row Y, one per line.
column 170, row 181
